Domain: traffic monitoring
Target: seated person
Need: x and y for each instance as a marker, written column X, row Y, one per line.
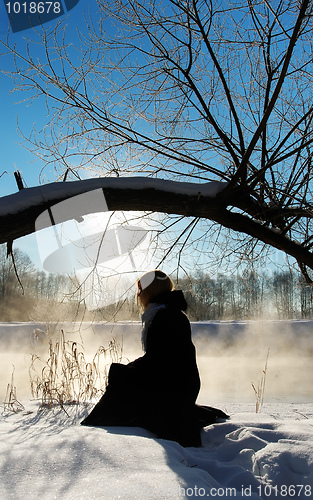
column 158, row 391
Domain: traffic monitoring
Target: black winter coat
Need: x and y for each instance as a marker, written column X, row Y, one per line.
column 158, row 391
column 169, row 369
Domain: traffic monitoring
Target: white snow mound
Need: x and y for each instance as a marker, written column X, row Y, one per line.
column 48, row 455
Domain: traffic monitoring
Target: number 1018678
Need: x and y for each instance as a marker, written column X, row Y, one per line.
column 289, row 491
column 33, row 7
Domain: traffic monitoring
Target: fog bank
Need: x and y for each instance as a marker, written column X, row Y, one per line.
column 231, row 355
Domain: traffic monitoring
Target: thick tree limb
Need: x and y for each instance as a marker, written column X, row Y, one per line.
column 19, row 211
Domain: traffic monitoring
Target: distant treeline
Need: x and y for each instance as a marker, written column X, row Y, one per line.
column 27, row 294
column 37, row 296
column 284, row 295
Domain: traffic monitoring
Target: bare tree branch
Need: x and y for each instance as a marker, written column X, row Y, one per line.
column 18, row 212
column 207, row 91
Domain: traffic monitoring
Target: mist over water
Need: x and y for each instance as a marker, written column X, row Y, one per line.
column 233, row 354
column 230, row 354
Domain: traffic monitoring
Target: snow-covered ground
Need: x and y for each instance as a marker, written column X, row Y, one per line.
column 48, row 455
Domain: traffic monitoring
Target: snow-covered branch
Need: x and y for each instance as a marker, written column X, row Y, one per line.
column 19, row 211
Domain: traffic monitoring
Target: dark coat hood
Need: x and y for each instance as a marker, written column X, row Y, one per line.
column 175, row 298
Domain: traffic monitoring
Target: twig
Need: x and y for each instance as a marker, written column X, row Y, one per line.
column 259, row 391
column 11, row 402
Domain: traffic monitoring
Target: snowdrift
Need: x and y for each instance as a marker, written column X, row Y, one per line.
column 49, row 455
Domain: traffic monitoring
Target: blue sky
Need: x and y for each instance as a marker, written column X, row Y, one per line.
column 13, row 155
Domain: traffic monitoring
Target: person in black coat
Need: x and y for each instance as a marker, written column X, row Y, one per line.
column 158, row 391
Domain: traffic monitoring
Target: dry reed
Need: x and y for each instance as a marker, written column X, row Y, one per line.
column 11, row 402
column 67, row 377
column 259, row 391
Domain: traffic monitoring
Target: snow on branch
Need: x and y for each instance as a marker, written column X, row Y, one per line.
column 19, row 211
column 50, row 194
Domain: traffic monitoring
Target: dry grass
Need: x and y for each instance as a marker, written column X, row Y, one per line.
column 67, row 377
column 11, row 402
column 260, row 389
